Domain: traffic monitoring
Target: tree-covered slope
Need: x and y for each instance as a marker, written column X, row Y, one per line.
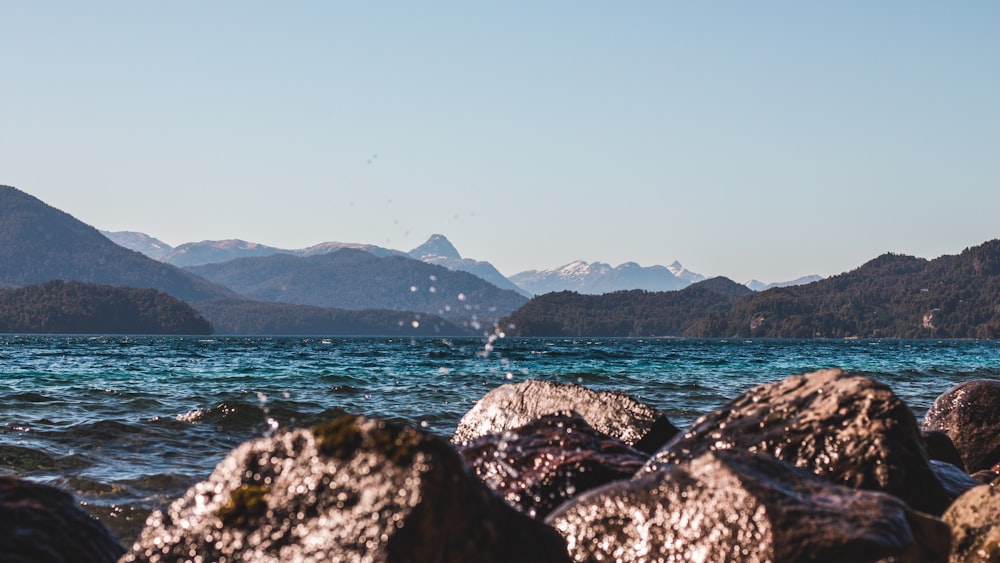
column 58, row 307
column 39, row 243
column 625, row 313
column 892, row 296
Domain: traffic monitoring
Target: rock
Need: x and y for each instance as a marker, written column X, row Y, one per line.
column 844, row 427
column 985, row 477
column 736, row 506
column 970, row 414
column 975, row 525
column 955, row 481
column 42, row 524
column 352, row 489
column 544, row 463
column 940, row 447
column 615, row 414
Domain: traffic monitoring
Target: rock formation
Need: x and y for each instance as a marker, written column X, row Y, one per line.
column 844, row 427
column 615, row 414
column 542, row 464
column 969, row 413
column 352, row 489
column 737, row 506
column 975, row 525
column 42, row 524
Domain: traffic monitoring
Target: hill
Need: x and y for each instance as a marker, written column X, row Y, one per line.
column 891, row 296
column 58, row 307
column 39, row 243
column 355, row 279
column 625, row 313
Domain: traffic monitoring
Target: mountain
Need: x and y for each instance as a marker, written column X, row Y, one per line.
column 140, row 242
column 58, row 307
column 598, row 278
column 625, row 313
column 439, row 251
column 757, row 285
column 39, row 243
column 354, row 279
column 891, row 296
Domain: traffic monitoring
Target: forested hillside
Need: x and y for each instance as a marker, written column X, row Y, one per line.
column 892, row 296
column 58, row 307
column 39, row 243
column 625, row 313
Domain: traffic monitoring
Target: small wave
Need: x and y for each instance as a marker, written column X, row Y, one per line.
column 28, row 397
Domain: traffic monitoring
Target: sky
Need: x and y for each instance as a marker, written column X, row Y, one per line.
column 764, row 140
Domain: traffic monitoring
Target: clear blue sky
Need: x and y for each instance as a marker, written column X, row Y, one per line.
column 759, row 140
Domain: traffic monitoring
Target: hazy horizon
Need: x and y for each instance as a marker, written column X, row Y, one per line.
column 766, row 141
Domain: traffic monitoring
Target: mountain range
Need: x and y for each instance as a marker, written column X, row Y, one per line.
column 579, row 276
column 347, row 289
column 39, row 243
column 891, row 296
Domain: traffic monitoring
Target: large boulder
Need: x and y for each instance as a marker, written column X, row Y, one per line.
column 615, row 414
column 42, row 524
column 353, row 489
column 737, row 506
column 970, row 414
column 544, row 463
column 975, row 525
column 844, row 427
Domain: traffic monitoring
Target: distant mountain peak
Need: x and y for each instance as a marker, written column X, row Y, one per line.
column 437, row 246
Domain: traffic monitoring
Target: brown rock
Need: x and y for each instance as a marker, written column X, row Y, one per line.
column 844, row 427
column 970, row 414
column 42, row 524
column 352, row 489
column 542, row 464
column 940, row 447
column 615, row 414
column 736, row 506
column 975, row 525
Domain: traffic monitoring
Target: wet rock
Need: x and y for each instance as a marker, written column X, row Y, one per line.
column 940, row 447
column 736, row 506
column 844, row 427
column 542, row 464
column 955, row 481
column 42, row 524
column 970, row 414
column 352, row 489
column 975, row 525
column 615, row 414
column 985, row 476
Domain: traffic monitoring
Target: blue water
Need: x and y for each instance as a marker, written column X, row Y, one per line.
column 128, row 423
